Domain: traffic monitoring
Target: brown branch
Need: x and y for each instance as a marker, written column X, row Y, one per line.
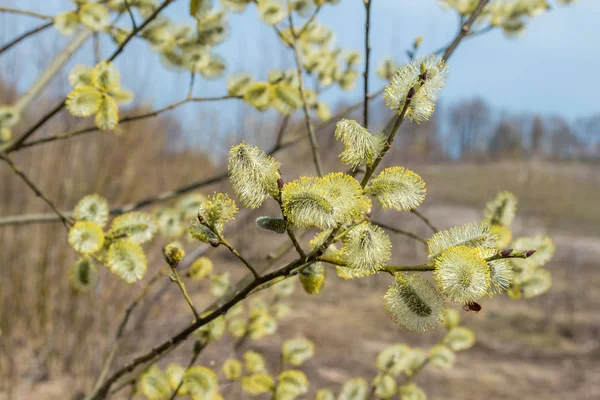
column 155, row 353
column 464, row 30
column 36, row 190
column 400, row 232
column 425, row 219
column 197, row 351
column 25, row 36
column 125, row 120
column 121, row 329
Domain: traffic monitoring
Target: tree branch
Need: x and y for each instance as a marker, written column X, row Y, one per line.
column 36, row 190
column 90, row 129
column 60, row 106
column 25, row 36
column 400, row 232
column 25, row 12
column 465, row 30
column 309, row 125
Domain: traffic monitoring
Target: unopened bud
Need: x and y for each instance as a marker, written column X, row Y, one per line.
column 214, row 243
column 411, row 93
column 506, row 252
column 201, row 219
column 529, row 253
column 173, row 253
column 280, row 183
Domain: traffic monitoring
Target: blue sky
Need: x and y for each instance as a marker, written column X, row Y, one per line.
column 549, row 69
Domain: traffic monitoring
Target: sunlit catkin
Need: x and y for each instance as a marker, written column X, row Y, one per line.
column 423, row 77
column 366, row 248
column 462, row 274
column 360, row 145
column 397, row 188
column 253, row 174
column 414, row 303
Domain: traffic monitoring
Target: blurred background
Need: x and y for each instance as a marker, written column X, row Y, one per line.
column 518, row 114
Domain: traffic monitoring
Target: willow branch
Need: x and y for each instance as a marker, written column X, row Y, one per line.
column 309, row 125
column 61, row 105
column 175, row 277
column 25, row 36
column 296, row 138
column 236, row 253
column 195, row 356
column 367, row 59
column 400, row 232
column 121, row 329
column 465, row 29
column 35, row 189
column 90, row 129
column 130, row 14
column 310, row 21
column 155, row 353
column 25, row 12
column 425, row 219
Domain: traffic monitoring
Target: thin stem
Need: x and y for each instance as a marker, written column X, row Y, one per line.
column 310, row 21
column 309, row 125
column 400, row 232
column 407, row 268
column 25, row 12
column 464, row 30
column 121, row 329
column 236, row 253
column 130, row 14
column 90, row 129
column 25, row 36
column 191, row 87
column 36, row 190
column 175, row 277
column 367, row 4
column 425, row 219
column 190, row 364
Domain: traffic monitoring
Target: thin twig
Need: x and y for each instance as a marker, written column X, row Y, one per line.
column 367, row 4
column 121, row 328
column 190, row 365
column 309, row 125
column 425, row 219
column 90, row 129
column 309, row 22
column 130, row 14
column 400, row 232
column 25, row 36
column 236, row 253
column 25, row 12
column 465, row 30
column 36, row 190
column 175, row 277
